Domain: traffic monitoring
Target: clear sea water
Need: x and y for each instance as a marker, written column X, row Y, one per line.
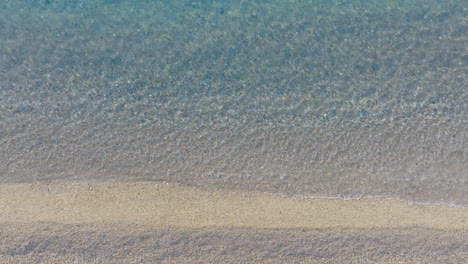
column 340, row 98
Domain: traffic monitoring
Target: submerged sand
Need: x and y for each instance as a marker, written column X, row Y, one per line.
column 152, row 221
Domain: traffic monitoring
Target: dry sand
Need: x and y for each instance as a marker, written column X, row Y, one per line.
column 156, row 222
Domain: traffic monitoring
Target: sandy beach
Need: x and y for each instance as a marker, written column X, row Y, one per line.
column 157, row 222
column 202, row 131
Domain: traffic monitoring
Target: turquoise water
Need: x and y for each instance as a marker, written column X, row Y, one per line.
column 316, row 98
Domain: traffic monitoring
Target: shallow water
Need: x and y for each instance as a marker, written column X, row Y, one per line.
column 316, row 98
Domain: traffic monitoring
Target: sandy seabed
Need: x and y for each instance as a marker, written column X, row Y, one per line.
column 157, row 222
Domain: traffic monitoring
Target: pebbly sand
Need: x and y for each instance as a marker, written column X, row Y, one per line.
column 157, row 222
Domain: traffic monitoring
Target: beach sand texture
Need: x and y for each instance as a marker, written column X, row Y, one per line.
column 157, row 222
column 102, row 100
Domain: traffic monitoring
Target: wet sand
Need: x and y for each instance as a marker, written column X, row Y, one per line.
column 152, row 221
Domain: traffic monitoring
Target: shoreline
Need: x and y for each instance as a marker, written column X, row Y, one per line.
column 157, row 222
column 164, row 204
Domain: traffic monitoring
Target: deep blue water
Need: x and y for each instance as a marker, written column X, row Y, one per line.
column 317, row 98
